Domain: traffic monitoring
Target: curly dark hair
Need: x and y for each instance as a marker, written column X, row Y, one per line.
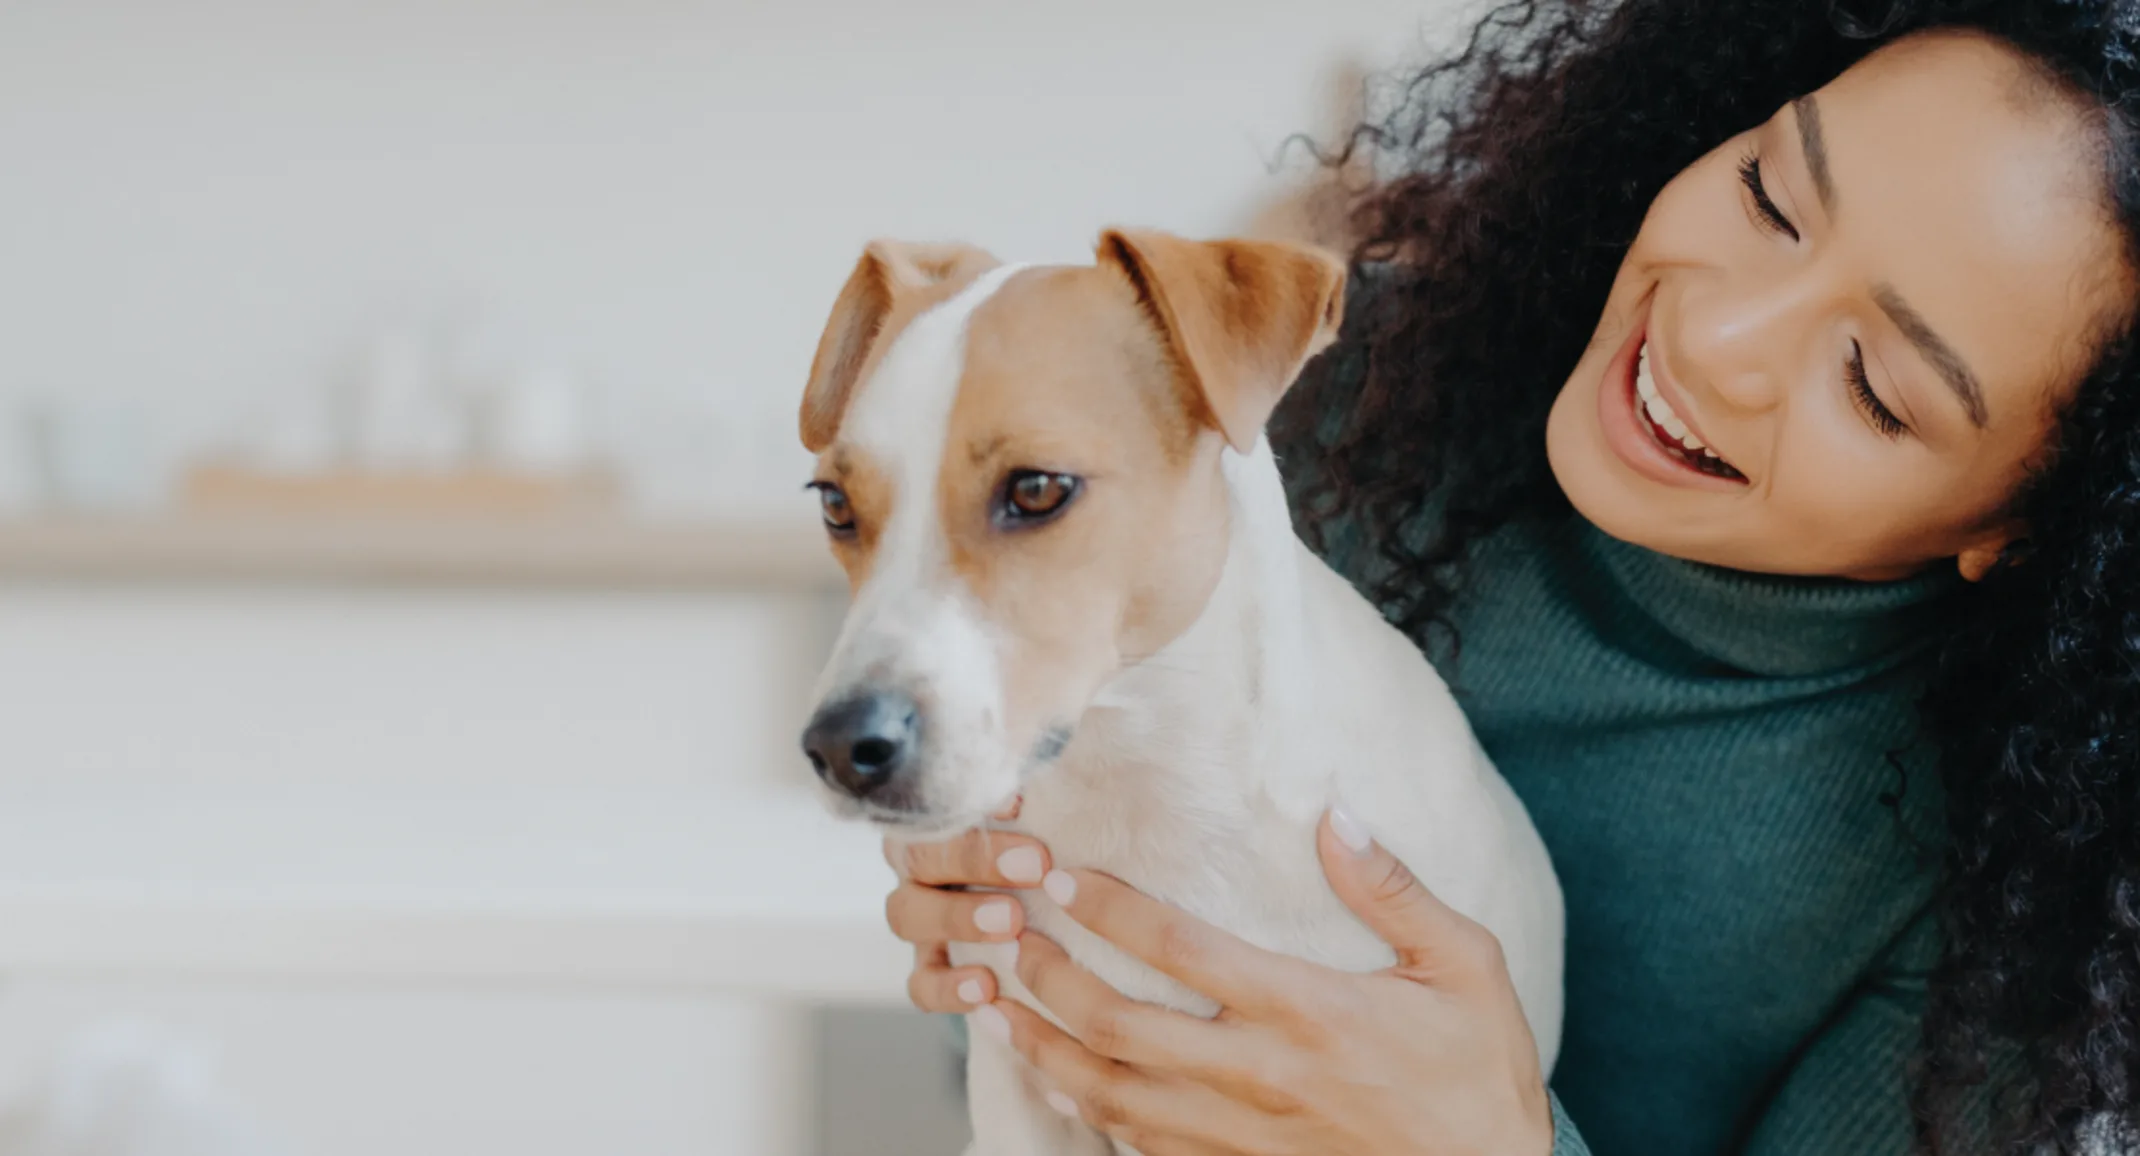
column 1518, row 171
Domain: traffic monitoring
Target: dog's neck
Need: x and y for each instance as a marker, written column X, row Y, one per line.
column 1220, row 707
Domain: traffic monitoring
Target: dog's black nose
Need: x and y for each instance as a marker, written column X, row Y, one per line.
column 859, row 744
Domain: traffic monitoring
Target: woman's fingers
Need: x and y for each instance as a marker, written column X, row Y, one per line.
column 1158, row 1115
column 920, row 914
column 1117, row 1027
column 978, row 858
column 936, row 986
column 1239, row 975
column 1432, row 939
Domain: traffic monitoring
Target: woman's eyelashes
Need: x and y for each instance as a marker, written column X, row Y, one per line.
column 1765, row 209
column 1882, row 418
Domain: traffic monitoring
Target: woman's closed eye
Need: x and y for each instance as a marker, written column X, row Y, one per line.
column 1766, row 212
column 1882, row 418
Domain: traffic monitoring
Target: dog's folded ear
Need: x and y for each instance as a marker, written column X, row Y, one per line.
column 893, row 278
column 1240, row 318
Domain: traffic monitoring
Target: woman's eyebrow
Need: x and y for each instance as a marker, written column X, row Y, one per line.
column 1816, row 150
column 1937, row 353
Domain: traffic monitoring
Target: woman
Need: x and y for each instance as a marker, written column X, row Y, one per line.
column 1725, row 380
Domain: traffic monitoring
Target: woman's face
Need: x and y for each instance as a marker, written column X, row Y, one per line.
column 1841, row 339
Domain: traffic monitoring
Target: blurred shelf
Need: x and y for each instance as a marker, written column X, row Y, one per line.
column 542, row 551
column 758, row 893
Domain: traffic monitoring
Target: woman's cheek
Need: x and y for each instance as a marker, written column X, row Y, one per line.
column 1852, row 521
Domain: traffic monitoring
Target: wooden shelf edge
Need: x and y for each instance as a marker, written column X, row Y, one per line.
column 538, row 551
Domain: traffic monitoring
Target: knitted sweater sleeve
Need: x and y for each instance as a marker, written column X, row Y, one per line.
column 1846, row 1093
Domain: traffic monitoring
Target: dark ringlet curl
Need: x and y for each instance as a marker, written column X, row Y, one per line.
column 1517, row 173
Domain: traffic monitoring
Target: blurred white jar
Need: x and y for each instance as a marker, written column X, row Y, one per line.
column 401, row 414
column 90, row 456
column 535, row 421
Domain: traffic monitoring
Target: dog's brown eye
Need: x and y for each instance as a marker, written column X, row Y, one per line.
column 839, row 517
column 1033, row 495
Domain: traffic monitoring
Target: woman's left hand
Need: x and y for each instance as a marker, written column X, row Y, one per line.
column 1431, row 1056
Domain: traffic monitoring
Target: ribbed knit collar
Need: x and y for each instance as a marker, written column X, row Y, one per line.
column 1763, row 624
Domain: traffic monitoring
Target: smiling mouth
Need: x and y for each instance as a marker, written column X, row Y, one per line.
column 1669, row 430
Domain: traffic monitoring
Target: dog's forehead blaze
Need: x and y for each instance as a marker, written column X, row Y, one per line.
column 908, row 305
column 874, row 456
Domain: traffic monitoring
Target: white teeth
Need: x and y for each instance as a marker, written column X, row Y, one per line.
column 1660, row 410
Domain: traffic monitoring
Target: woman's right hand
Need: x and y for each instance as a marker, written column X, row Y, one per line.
column 928, row 910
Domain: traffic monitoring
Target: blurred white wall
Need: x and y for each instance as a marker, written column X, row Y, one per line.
column 209, row 204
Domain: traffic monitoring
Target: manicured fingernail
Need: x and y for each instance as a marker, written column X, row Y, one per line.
column 1349, row 831
column 970, row 992
column 1063, row 1104
column 992, row 1023
column 1060, row 887
column 1020, row 864
column 993, row 918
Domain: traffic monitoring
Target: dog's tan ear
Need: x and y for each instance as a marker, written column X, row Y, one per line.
column 1240, row 317
column 892, row 277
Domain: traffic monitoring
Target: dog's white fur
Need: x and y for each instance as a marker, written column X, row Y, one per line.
column 906, row 626
column 1197, row 775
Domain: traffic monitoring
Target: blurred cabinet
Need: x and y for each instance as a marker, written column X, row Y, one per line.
column 489, row 857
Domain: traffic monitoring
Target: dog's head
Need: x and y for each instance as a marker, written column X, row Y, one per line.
column 1019, row 470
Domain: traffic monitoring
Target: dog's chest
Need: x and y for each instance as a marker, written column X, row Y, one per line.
column 1199, row 844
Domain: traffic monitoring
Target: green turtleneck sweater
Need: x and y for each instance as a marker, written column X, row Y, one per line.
column 1707, row 755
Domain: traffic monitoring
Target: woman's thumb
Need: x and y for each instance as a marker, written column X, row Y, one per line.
column 1384, row 893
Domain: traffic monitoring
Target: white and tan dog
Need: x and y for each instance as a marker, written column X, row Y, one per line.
column 1076, row 579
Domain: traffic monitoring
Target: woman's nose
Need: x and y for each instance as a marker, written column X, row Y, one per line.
column 1741, row 339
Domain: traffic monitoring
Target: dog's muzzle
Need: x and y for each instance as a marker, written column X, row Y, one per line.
column 861, row 745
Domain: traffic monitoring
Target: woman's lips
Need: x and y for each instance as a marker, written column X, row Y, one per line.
column 1643, row 444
